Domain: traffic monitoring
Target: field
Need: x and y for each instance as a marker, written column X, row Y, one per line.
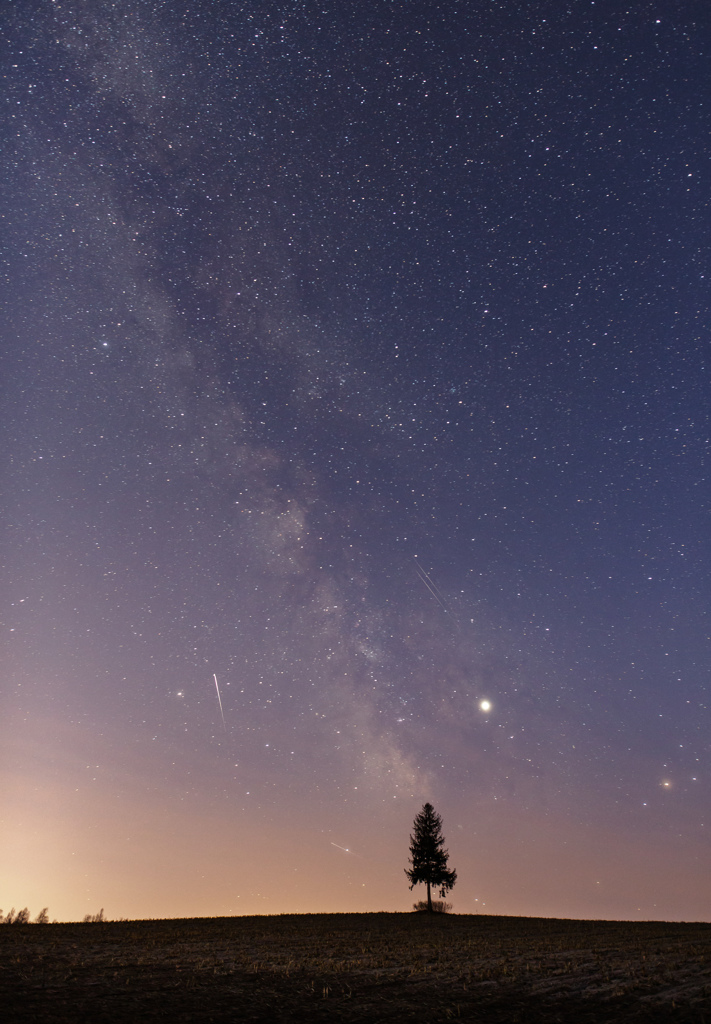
column 357, row 968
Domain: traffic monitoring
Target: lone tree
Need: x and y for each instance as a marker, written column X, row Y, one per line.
column 427, row 856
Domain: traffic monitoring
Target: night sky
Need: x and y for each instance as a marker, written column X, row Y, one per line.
column 355, row 356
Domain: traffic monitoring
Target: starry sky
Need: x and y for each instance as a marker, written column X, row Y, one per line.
column 355, row 372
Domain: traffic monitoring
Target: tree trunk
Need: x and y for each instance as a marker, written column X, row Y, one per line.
column 429, row 898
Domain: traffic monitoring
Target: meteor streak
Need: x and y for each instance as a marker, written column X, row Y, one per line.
column 345, row 850
column 219, row 699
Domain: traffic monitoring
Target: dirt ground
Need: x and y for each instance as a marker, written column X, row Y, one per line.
column 357, row 968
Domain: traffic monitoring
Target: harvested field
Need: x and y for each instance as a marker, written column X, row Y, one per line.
column 357, row 968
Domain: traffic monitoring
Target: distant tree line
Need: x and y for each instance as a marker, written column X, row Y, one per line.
column 23, row 917
column 95, row 918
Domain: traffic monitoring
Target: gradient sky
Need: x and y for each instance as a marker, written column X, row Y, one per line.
column 356, row 354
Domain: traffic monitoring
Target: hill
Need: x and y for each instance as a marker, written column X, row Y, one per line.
column 357, row 968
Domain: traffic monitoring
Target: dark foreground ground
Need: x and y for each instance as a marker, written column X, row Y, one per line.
column 357, row 968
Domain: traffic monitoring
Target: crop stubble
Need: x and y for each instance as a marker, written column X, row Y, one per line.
column 357, row 968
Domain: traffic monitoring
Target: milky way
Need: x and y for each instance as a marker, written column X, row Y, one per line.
column 355, row 355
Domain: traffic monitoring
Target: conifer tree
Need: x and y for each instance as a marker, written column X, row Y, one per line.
column 428, row 856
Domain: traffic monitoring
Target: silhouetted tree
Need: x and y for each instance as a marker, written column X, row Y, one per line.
column 22, row 916
column 43, row 916
column 428, row 856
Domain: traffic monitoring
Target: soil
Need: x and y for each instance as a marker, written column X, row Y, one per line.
column 363, row 968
